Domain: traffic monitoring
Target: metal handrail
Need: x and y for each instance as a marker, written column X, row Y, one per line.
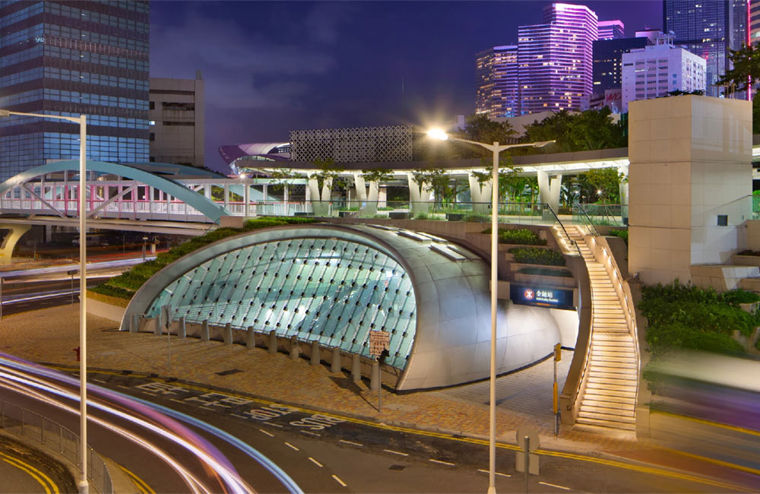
column 572, row 242
column 590, row 223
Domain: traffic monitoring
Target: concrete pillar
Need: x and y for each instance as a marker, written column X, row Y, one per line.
column 228, row 334
column 690, row 180
column 181, row 328
column 356, row 368
column 374, row 383
column 421, row 196
column 272, row 347
column 295, row 350
column 250, row 337
column 335, row 365
column 480, row 195
column 204, row 330
column 320, row 199
column 134, row 325
column 157, row 324
column 315, row 353
column 226, row 195
column 548, row 189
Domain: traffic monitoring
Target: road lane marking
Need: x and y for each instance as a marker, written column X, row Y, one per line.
column 315, row 462
column 42, row 479
column 141, row 485
column 266, row 432
column 442, row 462
column 291, row 446
column 657, row 471
column 273, row 424
column 555, row 485
column 239, row 416
column 495, row 473
column 722, row 463
column 308, row 433
column 351, row 443
column 337, row 479
column 177, row 401
column 395, row 452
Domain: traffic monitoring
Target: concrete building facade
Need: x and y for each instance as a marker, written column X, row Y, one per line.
column 657, row 70
column 498, row 92
column 177, row 121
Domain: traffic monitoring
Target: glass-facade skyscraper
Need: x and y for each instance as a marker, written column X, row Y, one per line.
column 71, row 58
column 708, row 29
column 497, row 82
column 555, row 59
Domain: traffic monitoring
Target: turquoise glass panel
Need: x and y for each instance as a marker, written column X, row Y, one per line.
column 327, row 290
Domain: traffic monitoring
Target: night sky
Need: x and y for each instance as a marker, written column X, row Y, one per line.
column 270, row 67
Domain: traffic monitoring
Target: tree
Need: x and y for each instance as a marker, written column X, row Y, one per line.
column 606, row 184
column 593, row 129
column 480, row 128
column 745, row 69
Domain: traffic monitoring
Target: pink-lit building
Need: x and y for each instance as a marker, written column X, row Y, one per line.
column 555, row 59
column 611, row 29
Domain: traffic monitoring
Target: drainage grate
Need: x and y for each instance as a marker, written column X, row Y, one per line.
column 228, row 372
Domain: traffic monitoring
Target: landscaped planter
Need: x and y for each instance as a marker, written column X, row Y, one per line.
column 454, row 216
column 397, row 215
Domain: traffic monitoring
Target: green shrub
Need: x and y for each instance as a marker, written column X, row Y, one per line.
column 534, row 255
column 477, row 218
column 522, row 236
column 684, row 316
column 130, row 281
column 620, row 233
column 546, row 272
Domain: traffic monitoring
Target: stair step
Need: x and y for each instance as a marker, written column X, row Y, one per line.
column 622, row 400
column 624, row 373
column 617, row 382
column 623, row 413
column 610, row 394
column 607, row 424
column 606, row 416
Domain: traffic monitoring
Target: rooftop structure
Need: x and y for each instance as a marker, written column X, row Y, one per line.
column 608, row 62
column 72, row 58
column 611, row 29
column 660, row 69
column 362, row 144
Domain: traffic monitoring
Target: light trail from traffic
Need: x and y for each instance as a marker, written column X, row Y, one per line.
column 32, row 381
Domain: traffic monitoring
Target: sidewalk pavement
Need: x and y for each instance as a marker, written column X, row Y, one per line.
column 523, row 398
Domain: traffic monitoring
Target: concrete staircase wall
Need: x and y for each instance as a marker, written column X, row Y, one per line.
column 610, row 381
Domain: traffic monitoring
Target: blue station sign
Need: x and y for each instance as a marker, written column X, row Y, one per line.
column 553, row 298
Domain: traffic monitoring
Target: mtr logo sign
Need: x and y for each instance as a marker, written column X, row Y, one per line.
column 541, row 296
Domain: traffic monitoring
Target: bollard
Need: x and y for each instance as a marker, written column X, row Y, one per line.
column 228, row 334
column 157, row 324
column 273, row 342
column 315, row 353
column 204, row 330
column 336, row 361
column 181, row 328
column 166, row 311
column 250, row 341
column 356, row 369
column 374, row 382
column 295, row 351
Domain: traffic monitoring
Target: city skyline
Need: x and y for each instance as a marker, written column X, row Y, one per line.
column 328, row 65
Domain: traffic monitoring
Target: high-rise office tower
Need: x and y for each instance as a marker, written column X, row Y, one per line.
column 754, row 22
column 71, row 58
column 555, row 59
column 497, row 82
column 608, row 61
column 708, row 29
column 611, row 29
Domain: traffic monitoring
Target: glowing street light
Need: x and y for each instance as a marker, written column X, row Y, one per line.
column 82, row 121
column 496, row 149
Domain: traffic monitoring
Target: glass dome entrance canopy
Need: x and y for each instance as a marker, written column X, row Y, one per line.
column 329, row 290
column 332, row 285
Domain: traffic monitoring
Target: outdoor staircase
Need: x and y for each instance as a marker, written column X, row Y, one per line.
column 609, row 397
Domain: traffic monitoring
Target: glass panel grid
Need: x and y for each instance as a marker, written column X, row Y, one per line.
column 332, row 291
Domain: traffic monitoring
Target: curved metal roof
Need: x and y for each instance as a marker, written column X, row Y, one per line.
column 333, row 284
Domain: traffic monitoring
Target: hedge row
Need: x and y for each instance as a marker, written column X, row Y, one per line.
column 126, row 284
column 684, row 316
column 535, row 255
column 522, row 236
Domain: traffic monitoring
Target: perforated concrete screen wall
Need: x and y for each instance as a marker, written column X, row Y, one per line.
column 328, row 290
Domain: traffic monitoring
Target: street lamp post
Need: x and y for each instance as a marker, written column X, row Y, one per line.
column 82, row 121
column 496, row 150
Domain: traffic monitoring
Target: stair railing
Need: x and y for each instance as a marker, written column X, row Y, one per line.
column 585, row 218
column 557, row 220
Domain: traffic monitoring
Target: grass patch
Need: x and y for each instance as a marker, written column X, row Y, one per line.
column 125, row 285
